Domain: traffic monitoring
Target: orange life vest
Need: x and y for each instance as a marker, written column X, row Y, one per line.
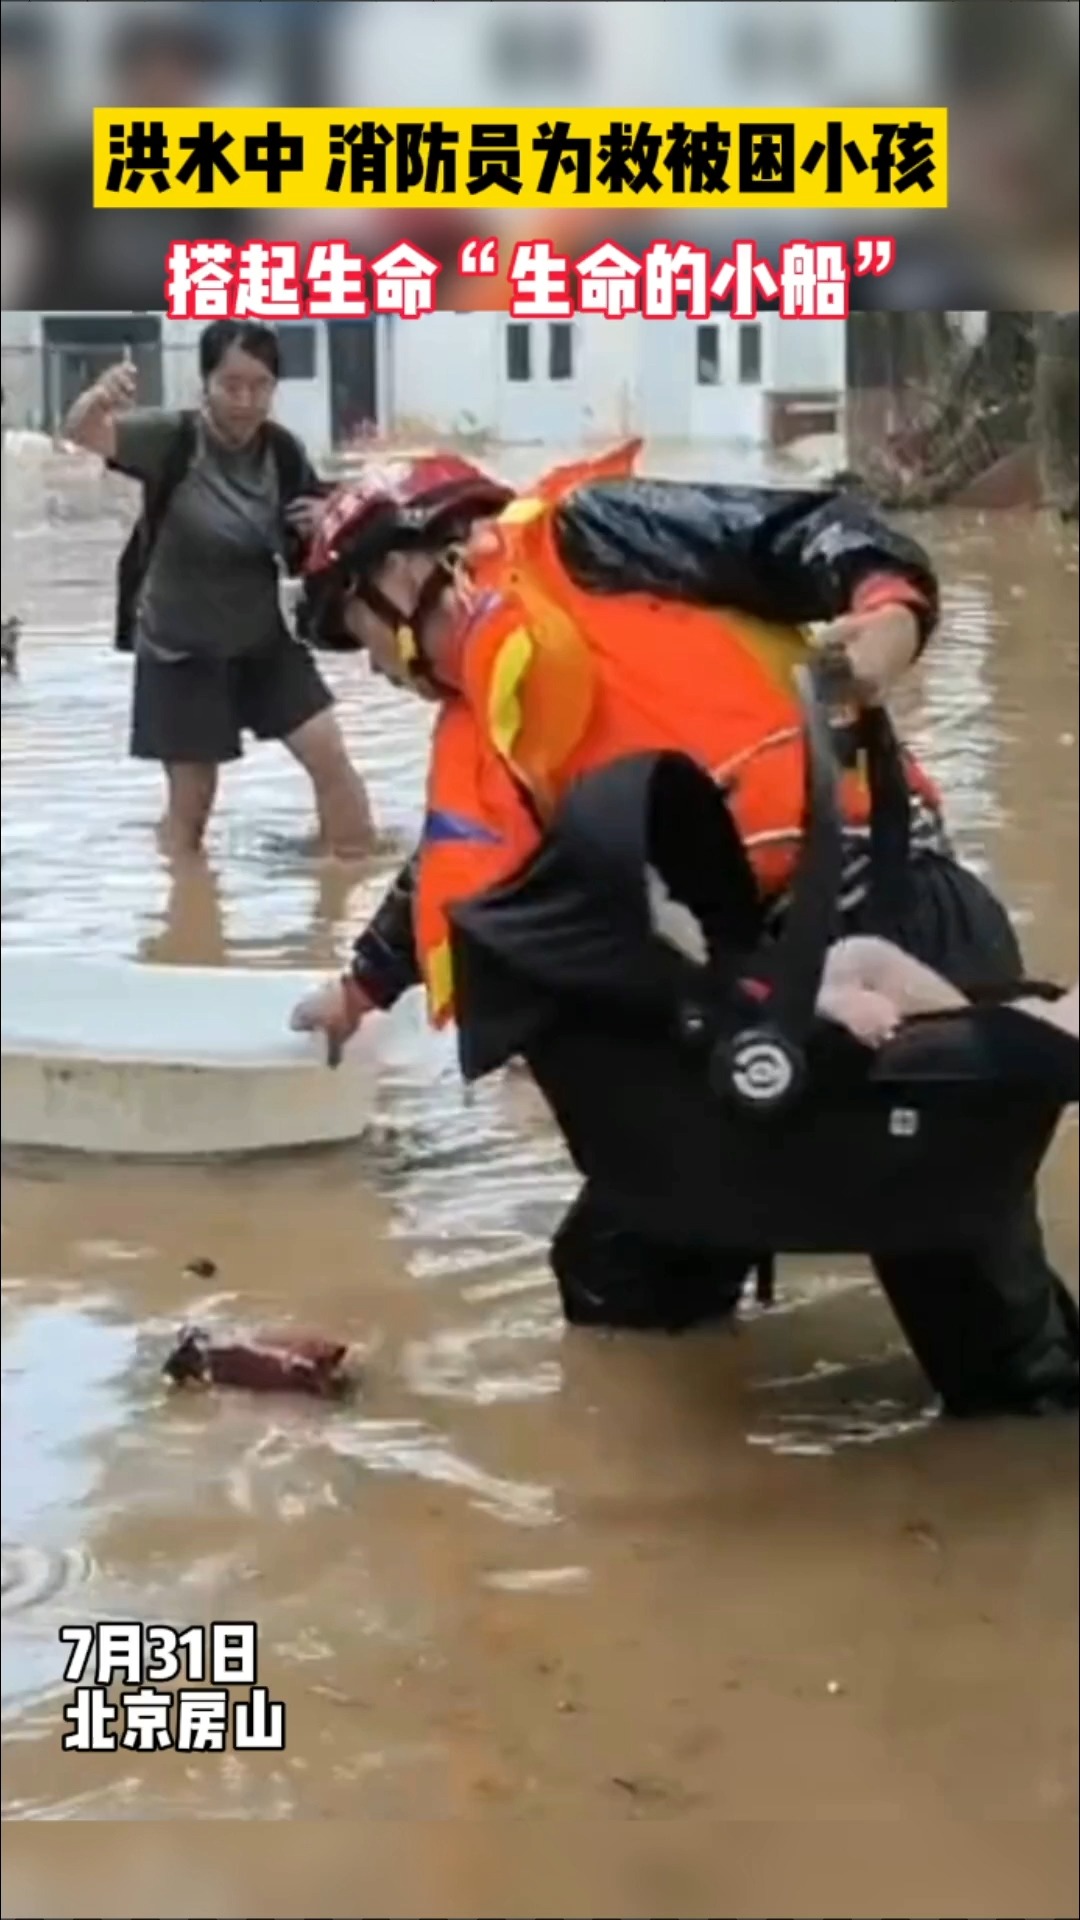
column 558, row 681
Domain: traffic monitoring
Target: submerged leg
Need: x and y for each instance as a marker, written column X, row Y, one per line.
column 281, row 695
column 191, row 793
column 996, row 1331
column 994, row 1328
column 345, row 820
column 609, row 1276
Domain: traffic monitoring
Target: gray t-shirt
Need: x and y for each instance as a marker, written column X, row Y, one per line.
column 212, row 588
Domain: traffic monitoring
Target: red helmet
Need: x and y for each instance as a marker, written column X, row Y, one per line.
column 399, row 503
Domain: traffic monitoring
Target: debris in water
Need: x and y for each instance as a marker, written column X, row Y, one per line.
column 10, row 635
column 834, row 1688
column 264, row 1363
column 924, row 1535
column 202, row 1269
column 645, row 1789
column 539, row 1579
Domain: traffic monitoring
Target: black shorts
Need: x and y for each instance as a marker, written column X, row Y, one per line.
column 195, row 712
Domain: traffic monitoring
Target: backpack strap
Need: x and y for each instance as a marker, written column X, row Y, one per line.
column 296, row 478
column 294, row 472
column 135, row 558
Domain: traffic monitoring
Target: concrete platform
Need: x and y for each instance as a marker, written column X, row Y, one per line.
column 108, row 1057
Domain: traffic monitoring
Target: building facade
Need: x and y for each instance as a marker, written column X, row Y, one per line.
column 523, row 381
column 486, row 376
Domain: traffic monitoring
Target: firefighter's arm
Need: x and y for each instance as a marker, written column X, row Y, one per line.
column 475, row 846
column 838, row 561
column 788, row 556
column 384, row 966
column 385, row 963
column 873, row 587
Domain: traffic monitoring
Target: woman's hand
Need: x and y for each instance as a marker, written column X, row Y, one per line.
column 91, row 420
column 117, row 387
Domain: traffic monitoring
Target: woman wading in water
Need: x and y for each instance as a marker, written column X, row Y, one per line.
column 229, row 498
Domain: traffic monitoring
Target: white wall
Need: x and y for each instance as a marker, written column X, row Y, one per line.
column 21, row 369
column 304, row 405
column 734, row 409
column 806, row 356
column 449, row 373
column 596, row 402
column 672, row 403
column 443, row 371
column 20, row 329
column 180, row 362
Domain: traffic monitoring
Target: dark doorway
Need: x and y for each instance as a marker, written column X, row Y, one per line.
column 354, row 393
column 79, row 347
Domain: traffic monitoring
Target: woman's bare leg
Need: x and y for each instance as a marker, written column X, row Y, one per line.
column 191, row 792
column 345, row 819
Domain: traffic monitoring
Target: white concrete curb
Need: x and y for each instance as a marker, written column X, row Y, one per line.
column 112, row 1058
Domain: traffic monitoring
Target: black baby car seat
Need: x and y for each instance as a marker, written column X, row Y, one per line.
column 713, row 1106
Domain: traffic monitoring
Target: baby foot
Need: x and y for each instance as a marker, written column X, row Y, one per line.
column 869, row 1015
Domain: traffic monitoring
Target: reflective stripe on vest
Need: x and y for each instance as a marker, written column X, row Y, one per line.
column 477, row 832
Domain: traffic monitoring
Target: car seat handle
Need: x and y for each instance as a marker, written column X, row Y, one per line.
column 812, row 918
column 836, row 735
column 864, row 740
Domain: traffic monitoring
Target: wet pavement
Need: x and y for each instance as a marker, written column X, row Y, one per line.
column 743, row 1578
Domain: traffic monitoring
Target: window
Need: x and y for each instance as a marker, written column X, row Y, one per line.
column 519, row 352
column 708, row 356
column 750, row 353
column 560, row 350
column 297, row 348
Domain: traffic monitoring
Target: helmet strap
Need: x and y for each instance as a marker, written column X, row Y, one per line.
column 408, row 628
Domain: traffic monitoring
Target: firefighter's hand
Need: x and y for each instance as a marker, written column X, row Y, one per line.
column 878, row 646
column 117, row 387
column 335, row 1010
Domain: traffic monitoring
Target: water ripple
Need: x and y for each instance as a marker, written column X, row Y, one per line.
column 36, row 1576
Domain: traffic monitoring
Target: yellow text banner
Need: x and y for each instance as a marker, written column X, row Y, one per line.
column 862, row 158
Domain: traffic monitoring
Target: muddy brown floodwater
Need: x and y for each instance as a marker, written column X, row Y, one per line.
column 563, row 1624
